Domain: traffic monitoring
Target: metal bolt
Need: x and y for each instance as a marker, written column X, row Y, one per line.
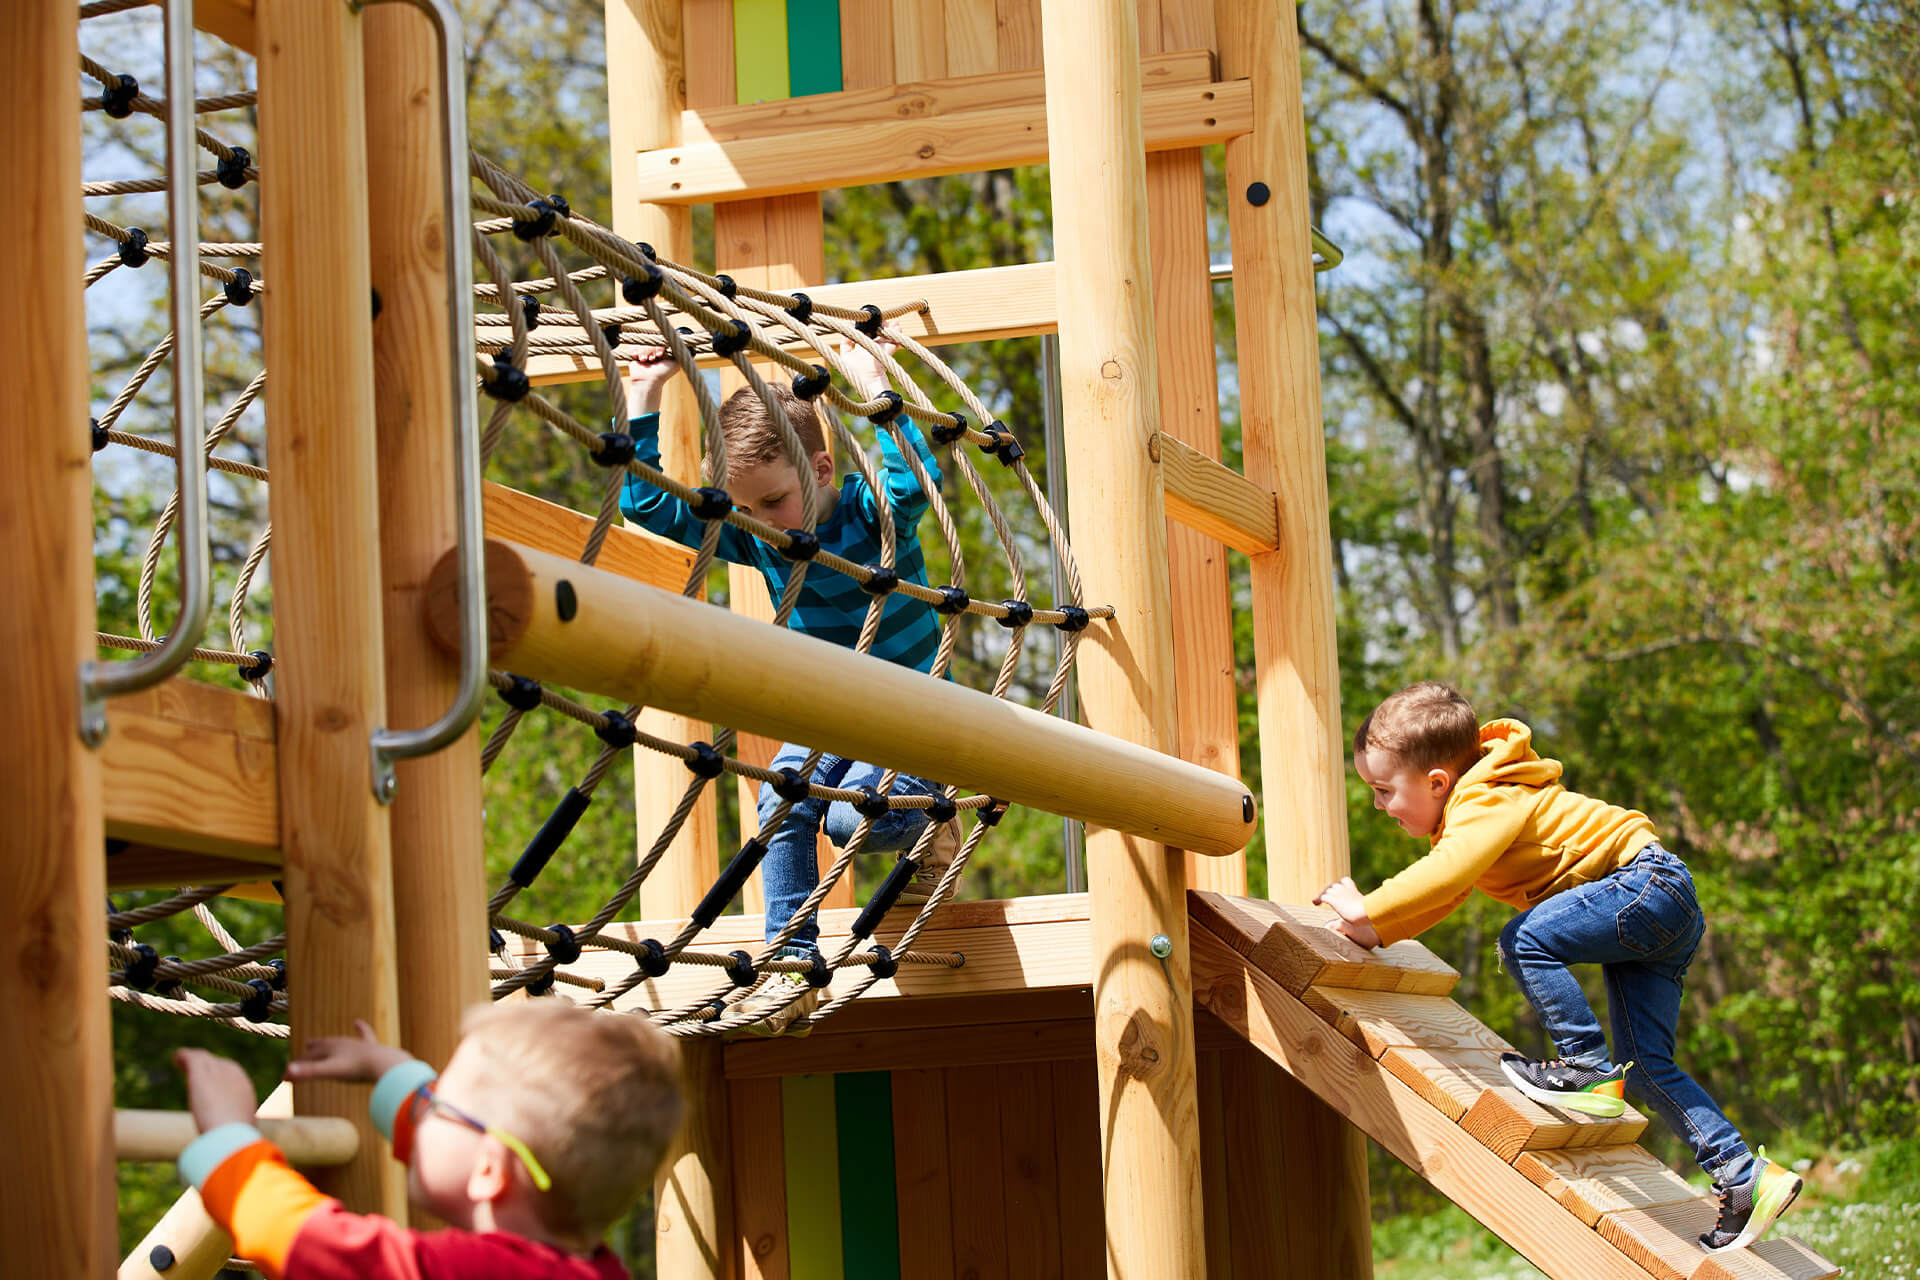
column 1161, row 945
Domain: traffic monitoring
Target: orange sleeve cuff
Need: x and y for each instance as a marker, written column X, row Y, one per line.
column 262, row 1202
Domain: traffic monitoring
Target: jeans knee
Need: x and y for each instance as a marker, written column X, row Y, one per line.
column 1508, row 941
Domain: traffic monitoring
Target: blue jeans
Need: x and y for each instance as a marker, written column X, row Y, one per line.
column 791, row 870
column 1641, row 925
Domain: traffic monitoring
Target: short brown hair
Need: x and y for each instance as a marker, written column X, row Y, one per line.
column 594, row 1095
column 1427, row 725
column 752, row 435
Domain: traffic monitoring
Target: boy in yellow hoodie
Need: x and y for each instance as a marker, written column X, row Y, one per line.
column 1593, row 886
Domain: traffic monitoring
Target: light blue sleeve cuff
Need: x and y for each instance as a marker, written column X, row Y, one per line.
column 395, row 1087
column 210, row 1150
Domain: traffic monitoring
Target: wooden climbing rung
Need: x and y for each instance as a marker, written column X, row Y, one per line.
column 1468, row 1085
column 1602, row 1180
column 1293, row 946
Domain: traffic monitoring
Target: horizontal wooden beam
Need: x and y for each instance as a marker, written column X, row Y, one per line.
column 961, row 306
column 1175, row 117
column 583, row 628
column 231, row 20
column 562, row 531
column 193, row 767
column 914, row 100
column 145, row 866
column 1215, row 499
column 163, row 1135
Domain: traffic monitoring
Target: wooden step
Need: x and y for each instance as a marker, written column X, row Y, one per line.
column 1777, row 1258
column 1293, row 946
column 1602, row 1180
column 1469, row 1086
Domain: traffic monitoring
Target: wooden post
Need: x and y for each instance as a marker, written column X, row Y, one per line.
column 1143, row 1004
column 693, row 1189
column 1302, row 743
column 57, row 1109
column 439, row 879
column 341, row 959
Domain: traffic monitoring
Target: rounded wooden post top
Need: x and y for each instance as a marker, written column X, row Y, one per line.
column 509, row 600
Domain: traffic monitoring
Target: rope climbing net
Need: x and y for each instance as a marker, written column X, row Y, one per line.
column 695, row 317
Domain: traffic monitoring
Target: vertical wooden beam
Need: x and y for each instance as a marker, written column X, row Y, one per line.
column 1143, row 1004
column 693, row 1191
column 341, row 959
column 1204, row 689
column 1302, row 750
column 57, row 1108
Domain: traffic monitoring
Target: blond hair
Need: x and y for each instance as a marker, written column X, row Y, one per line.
column 595, row 1096
column 753, row 436
column 1427, row 725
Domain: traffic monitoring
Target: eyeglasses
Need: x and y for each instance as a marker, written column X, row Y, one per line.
column 425, row 1100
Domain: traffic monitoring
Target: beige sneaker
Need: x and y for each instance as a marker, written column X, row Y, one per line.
column 786, row 997
column 939, row 856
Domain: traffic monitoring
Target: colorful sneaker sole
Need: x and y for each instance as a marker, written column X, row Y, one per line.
column 1779, row 1188
column 1602, row 1105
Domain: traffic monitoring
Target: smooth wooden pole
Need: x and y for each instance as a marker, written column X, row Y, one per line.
column 1143, row 1003
column 693, row 1189
column 306, row 1141
column 341, row 959
column 1302, row 751
column 57, row 1215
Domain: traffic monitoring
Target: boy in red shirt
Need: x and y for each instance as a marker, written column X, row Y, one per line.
column 546, row 1125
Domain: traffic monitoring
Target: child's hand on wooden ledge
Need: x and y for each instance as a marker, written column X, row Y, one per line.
column 1350, row 919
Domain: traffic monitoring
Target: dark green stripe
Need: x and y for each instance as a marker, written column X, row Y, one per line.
column 813, row 46
column 869, row 1207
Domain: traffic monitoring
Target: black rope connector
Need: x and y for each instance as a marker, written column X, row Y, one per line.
column 508, row 383
column 811, row 386
column 547, row 212
column 790, row 784
column 706, row 762
column 117, row 98
column 883, row 898
column 239, row 290
column 819, row 975
column 521, row 693
column 729, row 287
column 952, row 600
column 871, row 803
column 133, row 250
column 122, row 936
column 170, row 988
column 140, row 969
column 1076, row 619
column 612, row 333
column 637, row 289
column 97, row 434
column 232, row 169
column 160, row 1258
column 740, row 969
column 739, row 867
column 871, row 325
column 615, row 729
column 802, row 308
column 733, row 341
column 710, row 503
column 802, row 544
column 258, row 1007
column 1002, row 444
column 944, row 434
column 1019, row 614
column 542, row 985
column 530, row 310
column 943, row 809
column 616, row 449
column 279, row 979
column 552, row 834
column 996, row 809
column 891, row 405
column 880, row 580
column 496, row 940
column 564, row 948
column 884, row 965
column 646, row 250
column 655, row 961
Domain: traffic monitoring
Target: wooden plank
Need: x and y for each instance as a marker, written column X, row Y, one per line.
column 707, row 31
column 1380, row 1020
column 1508, row 1122
column 887, row 102
column 760, row 50
column 756, row 1129
column 1256, row 1166
column 1076, row 1155
column 1664, row 1239
column 813, row 46
column 1280, row 1026
column 810, row 1138
column 1024, row 1042
column 1061, row 1004
column 856, row 155
column 1186, row 24
column 693, row 1191
column 1214, row 499
column 1029, row 1173
column 1017, row 35
column 1602, row 1180
column 976, row 1169
column 1292, row 946
column 1777, row 1258
column 866, row 44
column 972, row 47
column 1215, row 1134
column 921, row 1182
column 919, row 39
column 632, row 553
column 193, row 767
column 144, row 866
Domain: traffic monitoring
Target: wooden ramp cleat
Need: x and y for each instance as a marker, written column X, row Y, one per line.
column 1292, row 946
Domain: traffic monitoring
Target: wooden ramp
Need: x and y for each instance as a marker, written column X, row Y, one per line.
column 1374, row 1034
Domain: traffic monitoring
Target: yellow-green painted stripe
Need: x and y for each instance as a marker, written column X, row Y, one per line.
column 869, row 1210
column 807, row 1116
column 760, row 50
column 813, row 46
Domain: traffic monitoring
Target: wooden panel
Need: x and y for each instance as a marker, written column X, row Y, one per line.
column 755, row 1132
column 1779, row 1258
column 1215, row 500
column 1076, row 1156
column 1147, row 18
column 972, row 47
column 562, row 531
column 1215, row 1134
column 1186, row 24
column 1017, row 35
column 707, row 27
column 920, row 1174
column 1379, row 1020
column 856, row 155
column 810, row 1139
column 1293, row 946
column 919, row 39
column 866, row 44
column 193, row 767
column 149, row 867
column 1029, row 1174
column 1023, row 1042
column 1664, row 1239
column 974, row 1155
column 1604, row 1180
column 1256, row 1165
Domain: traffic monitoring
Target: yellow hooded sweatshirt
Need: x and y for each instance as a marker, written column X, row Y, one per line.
column 1512, row 831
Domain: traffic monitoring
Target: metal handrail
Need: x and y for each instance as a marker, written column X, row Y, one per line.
column 101, row 680
column 1326, row 256
column 402, row 744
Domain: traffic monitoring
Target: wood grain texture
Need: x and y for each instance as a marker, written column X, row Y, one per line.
column 160, row 1136
column 1076, row 1155
column 756, row 1135
column 972, row 37
column 1293, row 946
column 919, row 39
column 145, row 866
column 1017, row 35
column 1777, row 1258
column 976, row 1172
column 1216, row 1132
column 1030, row 1179
column 1380, row 1020
column 922, row 1185
column 693, row 1188
column 866, row 44
column 1603, row 1180
column 1508, row 1123
column 1664, row 1239
column 193, row 767
column 975, row 1046
column 1214, row 500
column 706, row 30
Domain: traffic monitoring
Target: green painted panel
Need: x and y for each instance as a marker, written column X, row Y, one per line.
column 813, row 46
column 813, row 1178
column 760, row 50
column 869, row 1209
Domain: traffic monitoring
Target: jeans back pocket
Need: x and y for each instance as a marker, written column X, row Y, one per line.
column 1665, row 916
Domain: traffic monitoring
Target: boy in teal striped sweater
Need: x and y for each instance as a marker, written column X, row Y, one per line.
column 765, row 484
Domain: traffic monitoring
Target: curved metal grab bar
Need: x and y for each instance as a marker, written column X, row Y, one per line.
column 101, row 680
column 402, row 744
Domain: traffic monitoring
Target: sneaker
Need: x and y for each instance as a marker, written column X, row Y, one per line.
column 785, row 998
column 1749, row 1206
column 1558, row 1083
column 933, row 865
